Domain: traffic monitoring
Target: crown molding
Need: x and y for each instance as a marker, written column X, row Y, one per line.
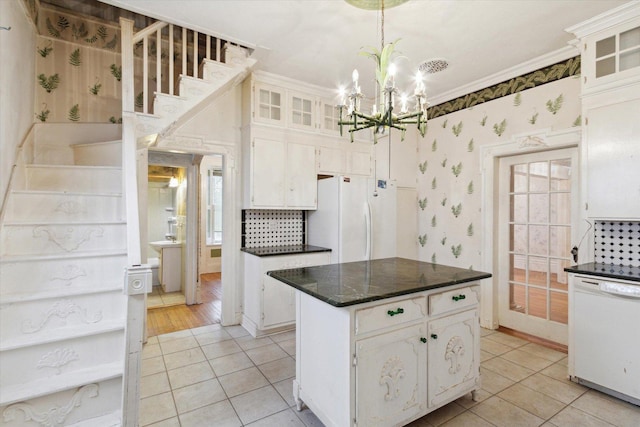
column 608, row 19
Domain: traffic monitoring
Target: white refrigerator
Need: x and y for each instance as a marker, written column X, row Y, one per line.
column 356, row 217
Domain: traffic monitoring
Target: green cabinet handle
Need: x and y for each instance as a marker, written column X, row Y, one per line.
column 423, row 339
column 434, row 336
column 458, row 297
column 398, row 311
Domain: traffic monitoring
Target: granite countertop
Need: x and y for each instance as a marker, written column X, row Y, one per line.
column 358, row 282
column 607, row 270
column 284, row 250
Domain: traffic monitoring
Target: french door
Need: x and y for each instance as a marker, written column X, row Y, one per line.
column 537, row 201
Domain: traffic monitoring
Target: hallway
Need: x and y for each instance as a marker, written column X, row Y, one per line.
column 163, row 320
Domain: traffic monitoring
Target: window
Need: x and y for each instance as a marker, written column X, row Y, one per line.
column 214, row 206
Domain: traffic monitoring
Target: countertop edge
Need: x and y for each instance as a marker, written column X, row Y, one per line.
column 336, row 304
column 287, row 252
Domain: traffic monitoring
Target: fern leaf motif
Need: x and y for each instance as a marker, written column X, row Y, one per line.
column 578, row 121
column 116, row 71
column 74, row 113
column 111, row 45
column 102, row 32
column 53, row 31
column 423, row 167
column 45, row 51
column 434, row 184
column 433, row 258
column 517, row 101
column 443, row 202
column 483, row 121
column 423, row 240
column 470, row 188
column 49, row 83
column 456, row 210
column 63, row 23
column 456, row 250
column 444, row 163
column 422, row 203
column 500, row 128
column 112, row 119
column 443, row 241
column 79, row 32
column 74, row 58
column 470, row 230
column 434, row 221
column 456, row 129
column 470, row 146
column 556, row 105
column 456, row 169
column 92, row 39
column 534, row 119
column 44, row 114
column 139, row 100
column 434, row 145
column 95, row 89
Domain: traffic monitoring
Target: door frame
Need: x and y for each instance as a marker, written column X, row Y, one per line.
column 541, row 140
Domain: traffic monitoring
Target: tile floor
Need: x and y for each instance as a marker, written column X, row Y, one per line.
column 159, row 298
column 222, row 376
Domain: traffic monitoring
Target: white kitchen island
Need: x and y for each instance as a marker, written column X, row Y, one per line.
column 384, row 342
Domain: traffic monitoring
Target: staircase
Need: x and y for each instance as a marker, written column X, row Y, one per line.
column 62, row 306
column 72, row 291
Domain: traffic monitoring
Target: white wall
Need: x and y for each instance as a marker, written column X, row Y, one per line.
column 17, row 83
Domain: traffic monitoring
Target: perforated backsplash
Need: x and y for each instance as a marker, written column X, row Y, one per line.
column 267, row 228
column 617, row 242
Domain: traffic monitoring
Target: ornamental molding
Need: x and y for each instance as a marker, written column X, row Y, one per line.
column 455, row 349
column 392, row 372
column 57, row 358
column 70, row 208
column 72, row 238
column 68, row 274
column 55, row 416
column 61, row 309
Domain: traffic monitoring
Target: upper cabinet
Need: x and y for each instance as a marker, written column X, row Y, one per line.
column 610, row 48
column 269, row 104
column 610, row 152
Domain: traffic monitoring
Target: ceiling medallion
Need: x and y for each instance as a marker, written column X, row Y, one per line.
column 383, row 115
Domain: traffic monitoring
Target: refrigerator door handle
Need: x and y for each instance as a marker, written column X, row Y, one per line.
column 369, row 225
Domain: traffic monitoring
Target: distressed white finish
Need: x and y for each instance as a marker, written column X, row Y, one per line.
column 382, row 369
column 62, row 308
column 269, row 305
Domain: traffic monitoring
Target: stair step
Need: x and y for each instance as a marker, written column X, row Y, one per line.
column 55, row 293
column 55, row 206
column 108, row 377
column 107, row 153
column 113, row 419
column 100, row 179
column 48, row 239
column 60, row 365
column 165, row 105
column 193, row 87
column 33, row 277
column 218, row 72
column 29, row 322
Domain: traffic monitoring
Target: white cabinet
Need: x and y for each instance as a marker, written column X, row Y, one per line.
column 345, row 160
column 610, row 61
column 612, row 134
column 302, row 111
column 269, row 305
column 282, row 175
column 269, row 104
column 387, row 362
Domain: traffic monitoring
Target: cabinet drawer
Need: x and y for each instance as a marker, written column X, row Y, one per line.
column 283, row 262
column 454, row 300
column 390, row 314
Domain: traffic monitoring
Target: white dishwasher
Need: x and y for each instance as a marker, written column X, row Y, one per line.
column 604, row 335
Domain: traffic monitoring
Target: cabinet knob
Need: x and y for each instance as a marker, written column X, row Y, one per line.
column 423, row 339
column 398, row 311
column 434, row 336
column 458, row 297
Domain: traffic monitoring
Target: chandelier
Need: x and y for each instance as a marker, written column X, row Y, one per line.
column 384, row 114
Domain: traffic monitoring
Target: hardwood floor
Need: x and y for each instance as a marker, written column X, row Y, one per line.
column 163, row 320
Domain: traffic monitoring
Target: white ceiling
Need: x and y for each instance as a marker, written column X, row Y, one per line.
column 318, row 41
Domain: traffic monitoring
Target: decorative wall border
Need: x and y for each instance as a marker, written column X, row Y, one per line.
column 557, row 71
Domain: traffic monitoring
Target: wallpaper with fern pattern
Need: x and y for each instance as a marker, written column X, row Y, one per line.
column 449, row 164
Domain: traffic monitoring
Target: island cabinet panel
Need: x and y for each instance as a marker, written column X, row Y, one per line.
column 453, row 363
column 391, row 377
column 387, row 362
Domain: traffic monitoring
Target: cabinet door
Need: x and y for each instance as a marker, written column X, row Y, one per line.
column 452, row 364
column 391, row 377
column 613, row 156
column 301, row 111
column 278, row 303
column 302, row 182
column 359, row 163
column 269, row 105
column 329, row 117
column 331, row 160
column 268, row 173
